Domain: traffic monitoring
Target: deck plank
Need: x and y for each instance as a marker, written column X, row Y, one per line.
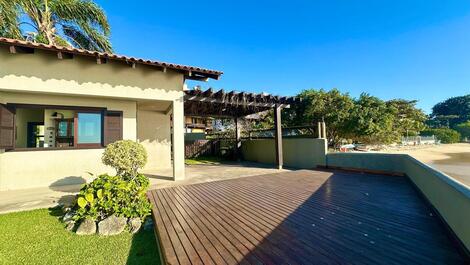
column 301, row 217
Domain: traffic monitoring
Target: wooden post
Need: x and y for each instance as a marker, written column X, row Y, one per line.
column 319, row 130
column 278, row 136
column 238, row 143
column 323, row 129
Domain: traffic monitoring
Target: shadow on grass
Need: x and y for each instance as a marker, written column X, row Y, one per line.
column 56, row 211
column 144, row 248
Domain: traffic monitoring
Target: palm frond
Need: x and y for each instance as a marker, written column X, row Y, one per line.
column 85, row 20
column 9, row 24
column 100, row 41
column 81, row 12
column 77, row 37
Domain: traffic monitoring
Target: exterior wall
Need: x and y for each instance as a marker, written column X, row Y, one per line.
column 41, row 78
column 450, row 197
column 42, row 168
column 42, row 72
column 153, row 132
column 297, row 152
column 178, row 139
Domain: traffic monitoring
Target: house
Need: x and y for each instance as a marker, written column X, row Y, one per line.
column 195, row 124
column 61, row 106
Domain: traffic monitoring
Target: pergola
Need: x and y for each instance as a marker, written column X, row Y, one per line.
column 235, row 105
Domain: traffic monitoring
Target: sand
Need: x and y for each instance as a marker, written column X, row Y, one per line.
column 452, row 159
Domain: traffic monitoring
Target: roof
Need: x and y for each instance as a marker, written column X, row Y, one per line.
column 232, row 103
column 190, row 72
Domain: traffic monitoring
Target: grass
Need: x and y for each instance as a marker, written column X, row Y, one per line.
column 205, row 160
column 38, row 237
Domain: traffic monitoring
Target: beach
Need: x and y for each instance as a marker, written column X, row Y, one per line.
column 452, row 159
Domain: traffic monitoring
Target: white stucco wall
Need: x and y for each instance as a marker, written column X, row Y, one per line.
column 153, row 132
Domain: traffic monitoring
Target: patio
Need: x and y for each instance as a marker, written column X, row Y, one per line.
column 27, row 199
column 301, row 217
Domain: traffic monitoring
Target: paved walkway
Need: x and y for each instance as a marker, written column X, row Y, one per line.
column 28, row 199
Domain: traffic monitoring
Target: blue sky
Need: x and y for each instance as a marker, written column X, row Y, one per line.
column 391, row 49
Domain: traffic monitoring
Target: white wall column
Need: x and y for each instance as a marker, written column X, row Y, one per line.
column 178, row 139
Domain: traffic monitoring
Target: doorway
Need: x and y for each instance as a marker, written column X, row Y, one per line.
column 35, row 134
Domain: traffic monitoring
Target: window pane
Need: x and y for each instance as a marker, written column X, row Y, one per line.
column 63, row 129
column 89, row 128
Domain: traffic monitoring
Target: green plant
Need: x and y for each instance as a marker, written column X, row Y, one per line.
column 108, row 195
column 126, row 157
column 463, row 129
column 73, row 23
column 445, row 135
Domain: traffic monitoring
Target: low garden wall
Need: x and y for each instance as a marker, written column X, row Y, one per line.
column 449, row 197
column 297, row 152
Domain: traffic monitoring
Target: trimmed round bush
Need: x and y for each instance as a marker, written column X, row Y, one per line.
column 126, row 157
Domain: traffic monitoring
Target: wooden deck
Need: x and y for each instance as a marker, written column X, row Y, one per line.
column 300, row 217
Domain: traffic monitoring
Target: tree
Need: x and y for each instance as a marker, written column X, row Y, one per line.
column 75, row 23
column 372, row 122
column 463, row 129
column 9, row 25
column 445, row 135
column 332, row 106
column 452, row 111
column 408, row 120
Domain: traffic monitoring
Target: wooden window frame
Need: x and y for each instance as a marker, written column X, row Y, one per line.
column 77, row 109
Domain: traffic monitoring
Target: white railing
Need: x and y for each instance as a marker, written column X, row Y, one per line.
column 419, row 140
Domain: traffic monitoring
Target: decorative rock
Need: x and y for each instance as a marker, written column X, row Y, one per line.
column 68, row 217
column 112, row 225
column 86, row 227
column 148, row 225
column 134, row 225
column 70, row 225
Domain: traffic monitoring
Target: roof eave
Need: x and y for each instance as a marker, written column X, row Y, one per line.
column 190, row 72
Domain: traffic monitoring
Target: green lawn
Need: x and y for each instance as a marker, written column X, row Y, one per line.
column 38, row 237
column 204, row 160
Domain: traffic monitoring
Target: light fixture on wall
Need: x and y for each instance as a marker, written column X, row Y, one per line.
column 57, row 115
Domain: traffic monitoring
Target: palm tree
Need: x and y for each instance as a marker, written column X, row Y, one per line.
column 9, row 26
column 76, row 23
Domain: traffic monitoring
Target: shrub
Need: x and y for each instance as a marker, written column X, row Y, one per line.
column 108, row 195
column 126, row 157
column 445, row 135
column 463, row 129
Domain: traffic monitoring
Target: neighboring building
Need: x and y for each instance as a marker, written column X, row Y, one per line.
column 195, row 124
column 59, row 107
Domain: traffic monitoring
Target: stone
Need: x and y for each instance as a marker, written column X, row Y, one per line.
column 70, row 225
column 68, row 217
column 134, row 225
column 86, row 227
column 148, row 225
column 112, row 225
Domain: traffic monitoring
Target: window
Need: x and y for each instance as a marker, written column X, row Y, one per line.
column 89, row 128
column 30, row 127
